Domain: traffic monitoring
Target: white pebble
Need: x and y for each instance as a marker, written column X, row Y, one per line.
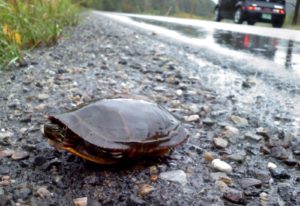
column 271, row 165
column 221, row 165
column 82, row 201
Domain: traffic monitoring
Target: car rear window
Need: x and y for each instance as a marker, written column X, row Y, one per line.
column 273, row 1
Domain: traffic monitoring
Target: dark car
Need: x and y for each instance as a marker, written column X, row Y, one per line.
column 252, row 11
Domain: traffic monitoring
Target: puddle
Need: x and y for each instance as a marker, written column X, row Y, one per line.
column 279, row 56
column 285, row 53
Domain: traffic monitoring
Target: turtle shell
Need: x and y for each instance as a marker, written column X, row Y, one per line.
column 124, row 125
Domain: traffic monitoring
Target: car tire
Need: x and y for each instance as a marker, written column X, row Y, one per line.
column 238, row 16
column 217, row 16
column 277, row 23
column 250, row 22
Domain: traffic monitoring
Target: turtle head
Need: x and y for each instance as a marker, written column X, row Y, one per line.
column 55, row 133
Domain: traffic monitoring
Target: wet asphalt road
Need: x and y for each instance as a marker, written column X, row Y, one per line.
column 267, row 57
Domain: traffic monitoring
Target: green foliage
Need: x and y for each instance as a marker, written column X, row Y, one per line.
column 31, row 23
column 161, row 7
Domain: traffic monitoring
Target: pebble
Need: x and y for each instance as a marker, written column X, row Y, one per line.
column 220, row 142
column 271, row 165
column 234, row 196
column 208, row 156
column 20, row 155
column 179, row 92
column 174, row 176
column 221, row 176
column 279, row 173
column 23, row 193
column 192, row 118
column 239, row 156
column 231, row 131
column 5, row 180
column 221, row 185
column 43, row 192
column 153, row 173
column 264, row 198
column 253, row 137
column 82, row 201
column 279, row 152
column 6, row 153
column 208, row 122
column 239, row 120
column 43, row 96
column 145, row 189
column 249, row 182
column 6, row 135
column 221, row 166
column 40, row 107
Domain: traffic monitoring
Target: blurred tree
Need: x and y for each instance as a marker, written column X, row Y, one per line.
column 162, row 7
column 296, row 13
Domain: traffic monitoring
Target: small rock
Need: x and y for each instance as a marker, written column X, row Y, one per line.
column 192, row 118
column 5, row 138
column 43, row 96
column 135, row 200
column 145, row 189
column 263, row 132
column 4, row 200
column 253, row 137
column 221, row 176
column 234, row 196
column 221, row 185
column 6, row 135
column 5, row 180
column 264, row 198
column 208, row 156
column 43, row 192
column 231, row 132
column 4, row 170
column 179, row 92
column 240, row 156
column 220, row 142
column 271, row 165
column 239, row 120
column 20, row 155
column 221, row 166
column 208, row 122
column 249, row 182
column 279, row 173
column 279, row 152
column 82, row 201
column 285, row 191
column 40, row 107
column 23, row 193
column 174, row 176
column 6, row 153
column 153, row 173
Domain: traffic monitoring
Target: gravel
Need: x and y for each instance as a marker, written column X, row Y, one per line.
column 102, row 58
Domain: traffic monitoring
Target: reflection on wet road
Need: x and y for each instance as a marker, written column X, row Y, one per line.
column 283, row 52
column 256, row 68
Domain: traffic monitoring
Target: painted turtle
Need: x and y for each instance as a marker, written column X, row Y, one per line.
column 111, row 130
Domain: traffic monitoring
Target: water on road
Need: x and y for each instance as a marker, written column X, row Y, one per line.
column 263, row 61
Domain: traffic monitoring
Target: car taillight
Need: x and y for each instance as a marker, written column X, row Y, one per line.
column 279, row 11
column 251, row 8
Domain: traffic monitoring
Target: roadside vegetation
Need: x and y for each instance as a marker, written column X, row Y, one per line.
column 32, row 23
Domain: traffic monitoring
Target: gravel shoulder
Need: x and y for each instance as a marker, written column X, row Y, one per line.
column 233, row 156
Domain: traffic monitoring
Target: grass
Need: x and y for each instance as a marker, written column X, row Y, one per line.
column 26, row 24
